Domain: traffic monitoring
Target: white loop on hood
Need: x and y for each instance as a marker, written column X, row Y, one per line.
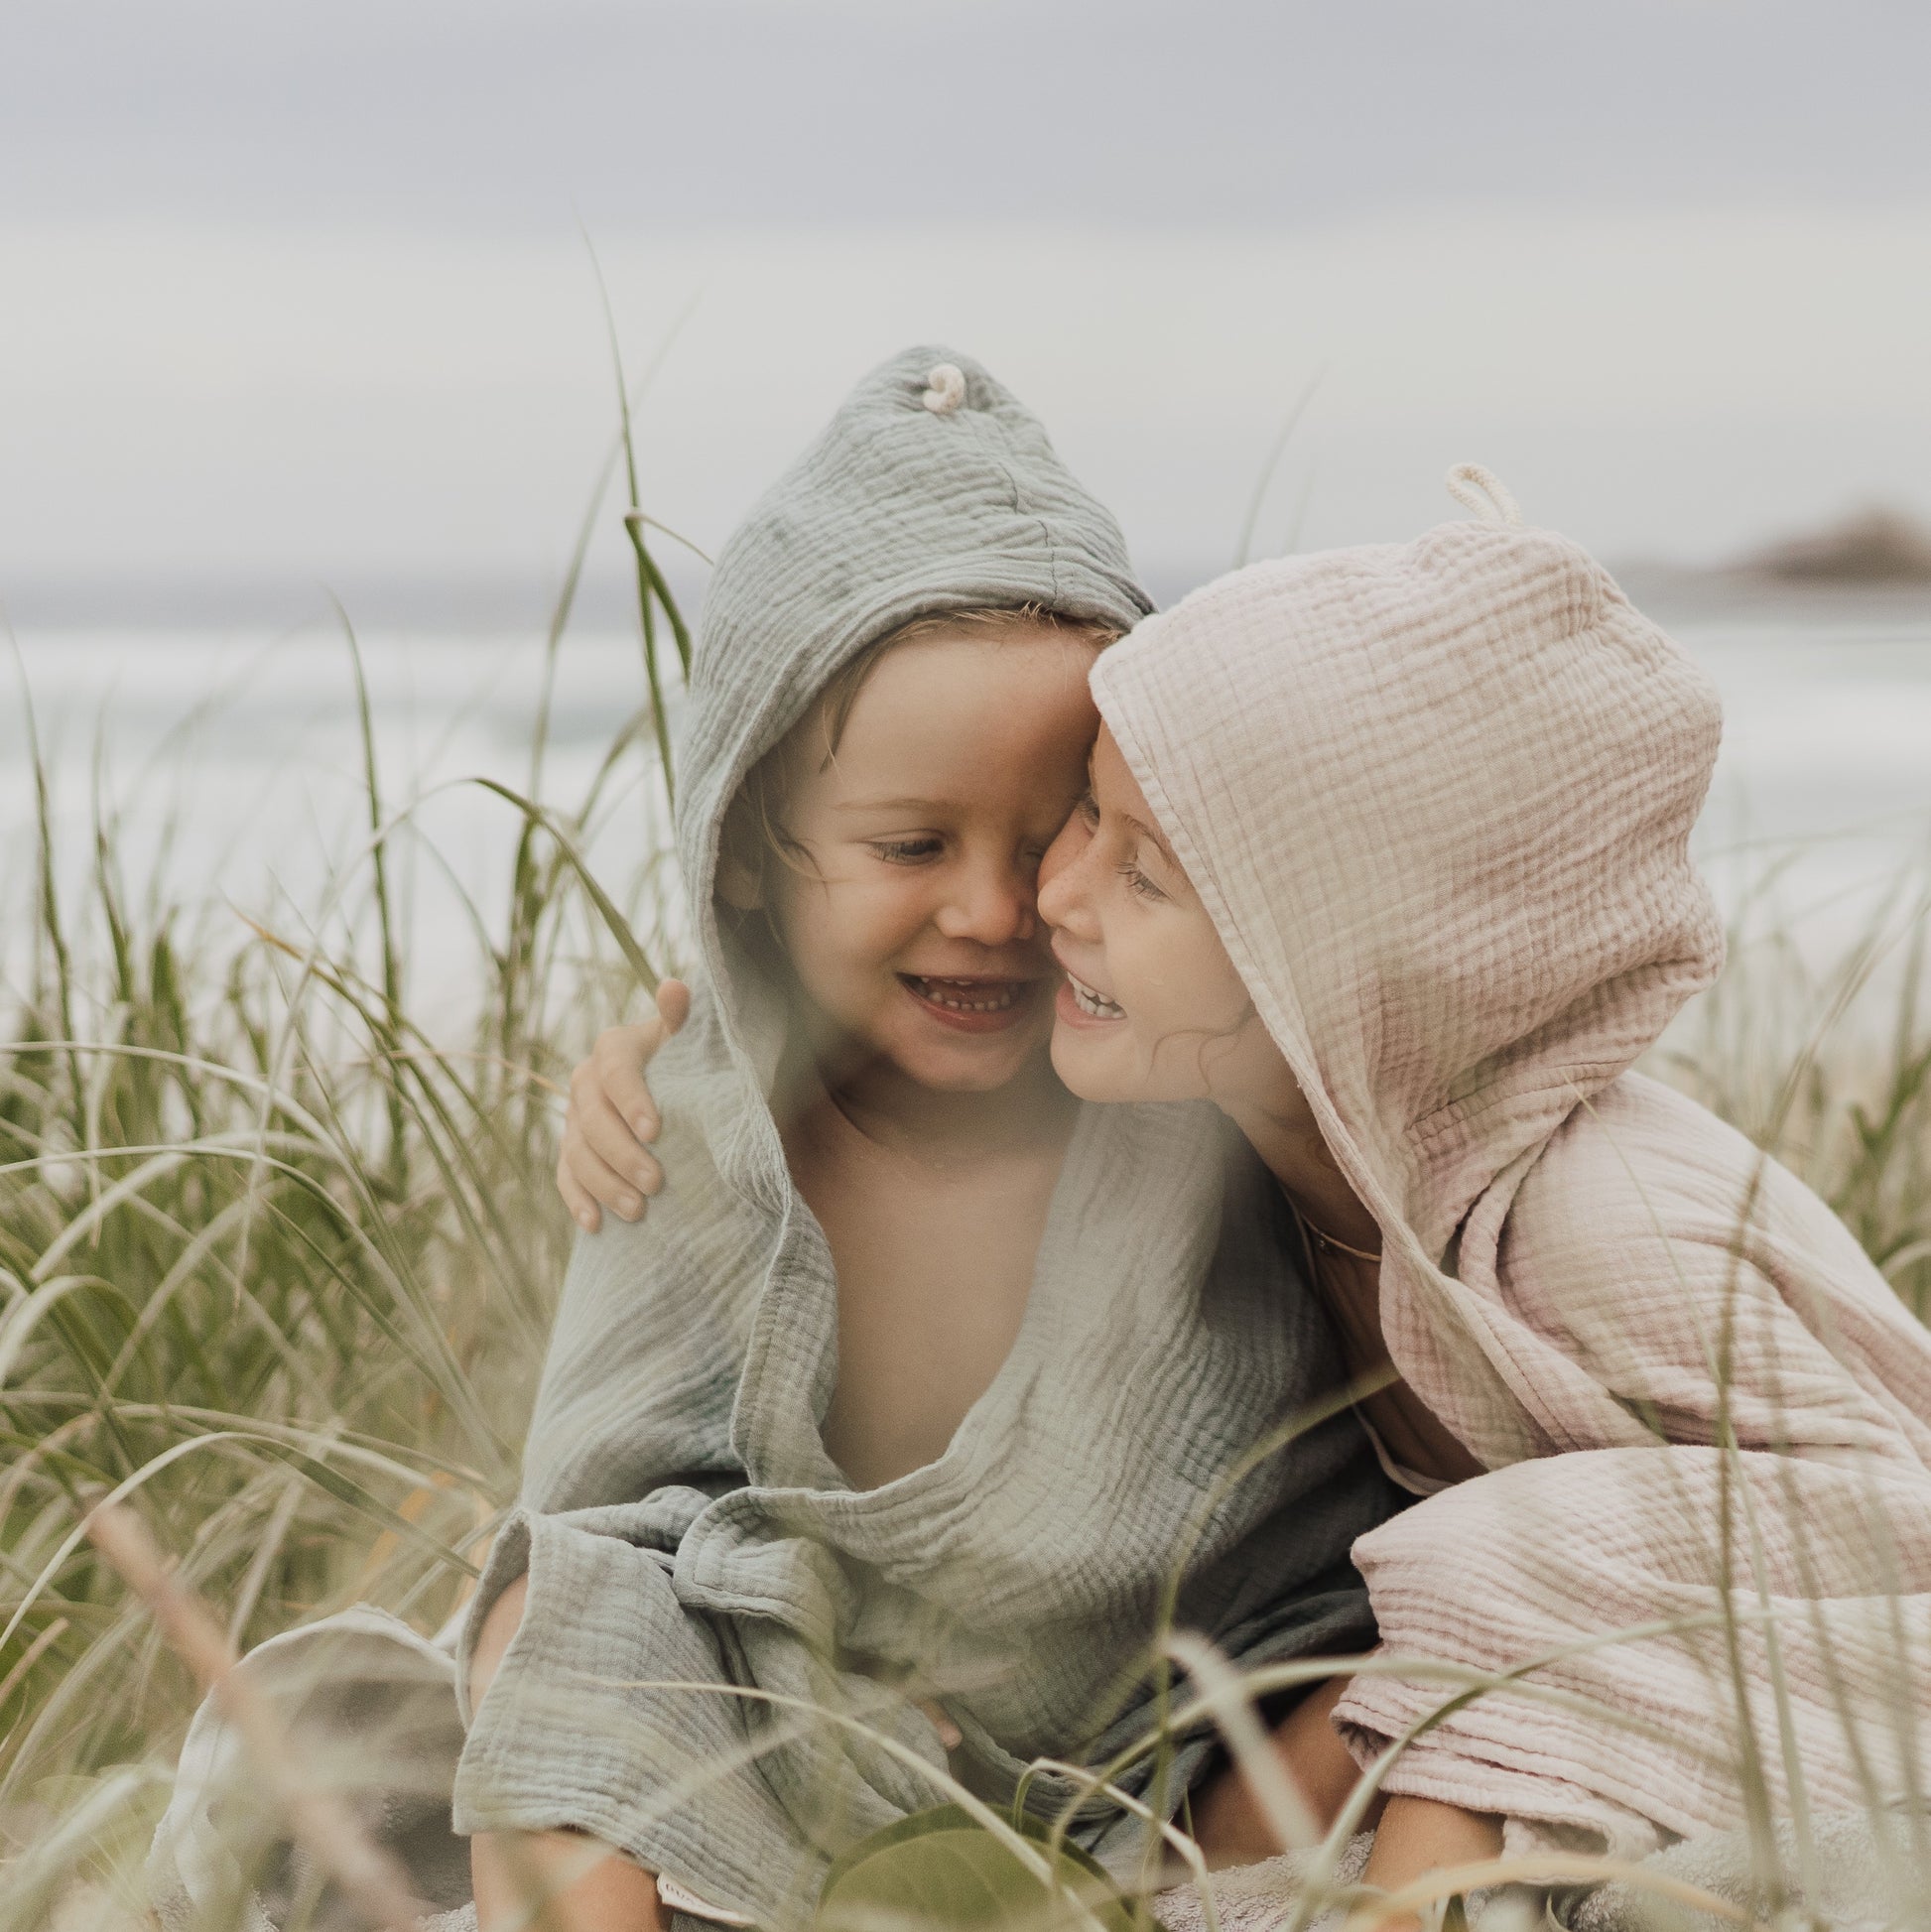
column 1480, row 491
column 945, row 389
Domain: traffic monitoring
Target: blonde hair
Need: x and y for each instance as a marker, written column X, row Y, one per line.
column 753, row 828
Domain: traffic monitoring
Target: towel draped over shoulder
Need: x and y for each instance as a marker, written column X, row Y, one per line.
column 726, row 1650
column 1437, row 800
column 682, row 1522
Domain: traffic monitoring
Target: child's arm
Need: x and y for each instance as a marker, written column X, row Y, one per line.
column 1412, row 1836
column 1229, row 1822
column 513, row 1872
column 1417, row 1836
column 604, row 1161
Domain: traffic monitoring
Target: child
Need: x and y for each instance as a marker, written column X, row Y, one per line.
column 1413, row 957
column 1387, row 856
column 921, row 1380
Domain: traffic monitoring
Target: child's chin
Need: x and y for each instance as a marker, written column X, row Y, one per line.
column 1085, row 1067
column 970, row 1064
column 965, row 1079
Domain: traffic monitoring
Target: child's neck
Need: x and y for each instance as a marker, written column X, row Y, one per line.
column 904, row 1117
column 1286, row 1138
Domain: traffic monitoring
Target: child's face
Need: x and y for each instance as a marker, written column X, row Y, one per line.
column 909, row 914
column 1153, row 1009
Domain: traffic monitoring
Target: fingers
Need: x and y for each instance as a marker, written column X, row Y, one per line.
column 616, row 1065
column 606, row 1186
column 673, row 1004
column 603, row 1163
column 583, row 1207
column 608, row 1135
column 602, row 1152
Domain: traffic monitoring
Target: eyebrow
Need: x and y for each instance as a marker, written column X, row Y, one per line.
column 1149, row 832
column 890, row 804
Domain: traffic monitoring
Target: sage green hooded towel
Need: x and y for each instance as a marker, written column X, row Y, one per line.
column 682, row 1522
column 725, row 1647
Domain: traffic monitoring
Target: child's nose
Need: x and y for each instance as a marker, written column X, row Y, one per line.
column 996, row 906
column 1061, row 897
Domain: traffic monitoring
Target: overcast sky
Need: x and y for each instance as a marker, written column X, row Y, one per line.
column 297, row 291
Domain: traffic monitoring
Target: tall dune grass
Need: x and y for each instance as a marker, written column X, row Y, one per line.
column 277, row 1257
column 1825, row 1061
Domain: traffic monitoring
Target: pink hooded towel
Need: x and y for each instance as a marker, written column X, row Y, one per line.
column 1437, row 800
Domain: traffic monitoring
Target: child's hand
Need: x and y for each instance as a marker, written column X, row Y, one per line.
column 1418, row 1835
column 611, row 1114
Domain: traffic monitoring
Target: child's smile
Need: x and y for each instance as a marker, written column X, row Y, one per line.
column 972, row 1004
column 1080, row 1004
column 905, row 896
column 1151, row 1008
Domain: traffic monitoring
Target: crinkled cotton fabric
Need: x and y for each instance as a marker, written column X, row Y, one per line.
column 682, row 1525
column 724, row 1649
column 1437, row 800
column 682, row 1522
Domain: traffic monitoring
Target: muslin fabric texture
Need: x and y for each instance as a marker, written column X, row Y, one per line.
column 680, row 1524
column 1437, row 801
column 681, row 1521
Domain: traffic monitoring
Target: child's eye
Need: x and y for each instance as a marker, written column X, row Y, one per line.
column 1088, row 807
column 1137, row 882
column 906, row 852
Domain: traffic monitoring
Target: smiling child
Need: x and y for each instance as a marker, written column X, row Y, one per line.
column 1413, row 958
column 1387, row 856
column 881, row 1453
column 922, row 1382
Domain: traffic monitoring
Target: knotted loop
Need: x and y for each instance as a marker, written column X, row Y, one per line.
column 1483, row 491
column 945, row 389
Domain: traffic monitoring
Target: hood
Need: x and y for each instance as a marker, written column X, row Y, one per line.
column 684, row 1524
column 1437, row 799
column 933, row 488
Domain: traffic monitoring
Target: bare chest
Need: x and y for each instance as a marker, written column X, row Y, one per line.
column 934, row 1275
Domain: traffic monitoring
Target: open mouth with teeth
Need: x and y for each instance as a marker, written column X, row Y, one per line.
column 974, row 1005
column 1092, row 1003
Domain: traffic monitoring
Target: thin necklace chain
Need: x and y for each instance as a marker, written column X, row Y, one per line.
column 1321, row 1239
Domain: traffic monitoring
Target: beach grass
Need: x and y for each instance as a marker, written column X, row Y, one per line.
column 1822, row 1056
column 277, row 1256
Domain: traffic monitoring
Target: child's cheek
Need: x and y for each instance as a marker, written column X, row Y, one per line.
column 857, row 916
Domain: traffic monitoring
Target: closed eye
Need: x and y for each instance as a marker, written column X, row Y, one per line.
column 1138, row 883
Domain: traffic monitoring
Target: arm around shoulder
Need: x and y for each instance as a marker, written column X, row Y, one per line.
column 606, row 1161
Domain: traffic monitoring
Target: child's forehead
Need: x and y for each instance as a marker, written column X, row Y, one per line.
column 935, row 711
column 1016, row 652
column 929, row 675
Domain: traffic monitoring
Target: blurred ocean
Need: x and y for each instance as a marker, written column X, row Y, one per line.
column 233, row 769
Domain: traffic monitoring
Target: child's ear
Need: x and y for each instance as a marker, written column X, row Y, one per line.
column 739, row 885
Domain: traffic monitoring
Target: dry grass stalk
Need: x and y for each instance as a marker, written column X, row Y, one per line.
column 32, row 1655
column 372, row 1881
